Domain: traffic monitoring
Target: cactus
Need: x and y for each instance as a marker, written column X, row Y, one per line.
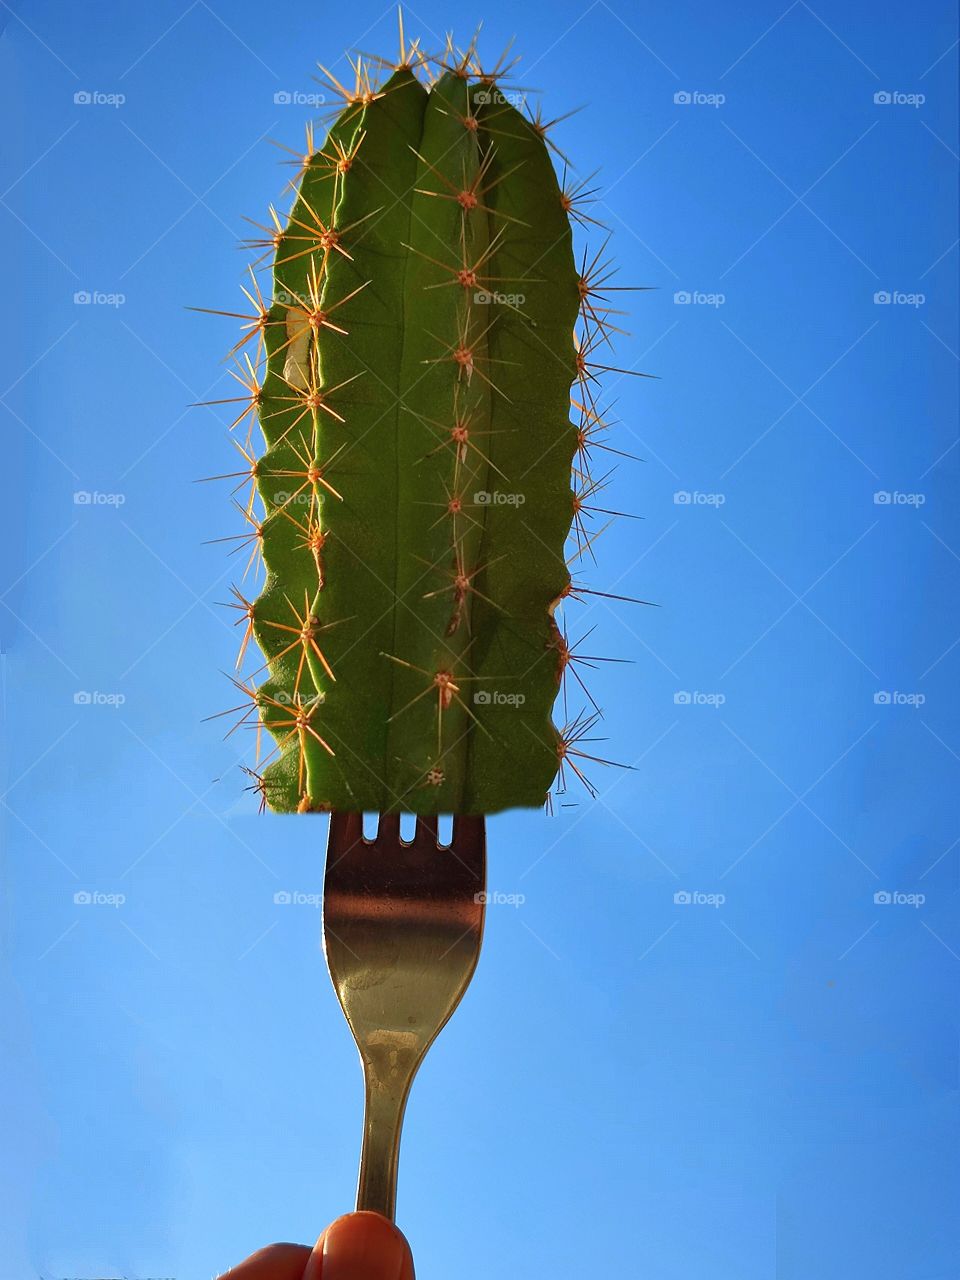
column 428, row 332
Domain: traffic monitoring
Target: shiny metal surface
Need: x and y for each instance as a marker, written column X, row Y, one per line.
column 402, row 927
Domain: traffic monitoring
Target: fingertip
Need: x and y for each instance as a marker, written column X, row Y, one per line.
column 361, row 1246
column 274, row 1262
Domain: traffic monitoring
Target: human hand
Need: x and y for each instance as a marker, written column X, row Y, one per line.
column 358, row 1246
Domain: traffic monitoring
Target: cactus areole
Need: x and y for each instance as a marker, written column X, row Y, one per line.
column 421, row 473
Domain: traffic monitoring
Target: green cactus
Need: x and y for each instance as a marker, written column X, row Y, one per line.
column 421, row 470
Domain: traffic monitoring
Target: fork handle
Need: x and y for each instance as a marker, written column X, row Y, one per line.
column 380, row 1155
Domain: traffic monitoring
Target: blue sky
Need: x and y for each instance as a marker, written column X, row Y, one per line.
column 699, row 1044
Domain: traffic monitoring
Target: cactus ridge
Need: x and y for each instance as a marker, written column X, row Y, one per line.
column 426, row 383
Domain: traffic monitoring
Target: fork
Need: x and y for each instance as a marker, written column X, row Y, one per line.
column 402, row 927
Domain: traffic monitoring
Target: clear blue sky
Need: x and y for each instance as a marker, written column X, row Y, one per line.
column 754, row 1087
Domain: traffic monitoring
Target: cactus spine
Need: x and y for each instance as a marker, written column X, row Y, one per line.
column 421, row 471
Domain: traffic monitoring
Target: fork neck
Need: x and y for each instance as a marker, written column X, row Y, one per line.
column 380, row 1155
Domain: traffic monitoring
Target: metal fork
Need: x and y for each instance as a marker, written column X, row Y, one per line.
column 402, row 927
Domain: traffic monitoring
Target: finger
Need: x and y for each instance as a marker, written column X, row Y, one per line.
column 275, row 1262
column 361, row 1246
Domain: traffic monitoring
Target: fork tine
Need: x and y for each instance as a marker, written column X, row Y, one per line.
column 389, row 827
column 468, row 834
column 346, row 830
column 428, row 832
